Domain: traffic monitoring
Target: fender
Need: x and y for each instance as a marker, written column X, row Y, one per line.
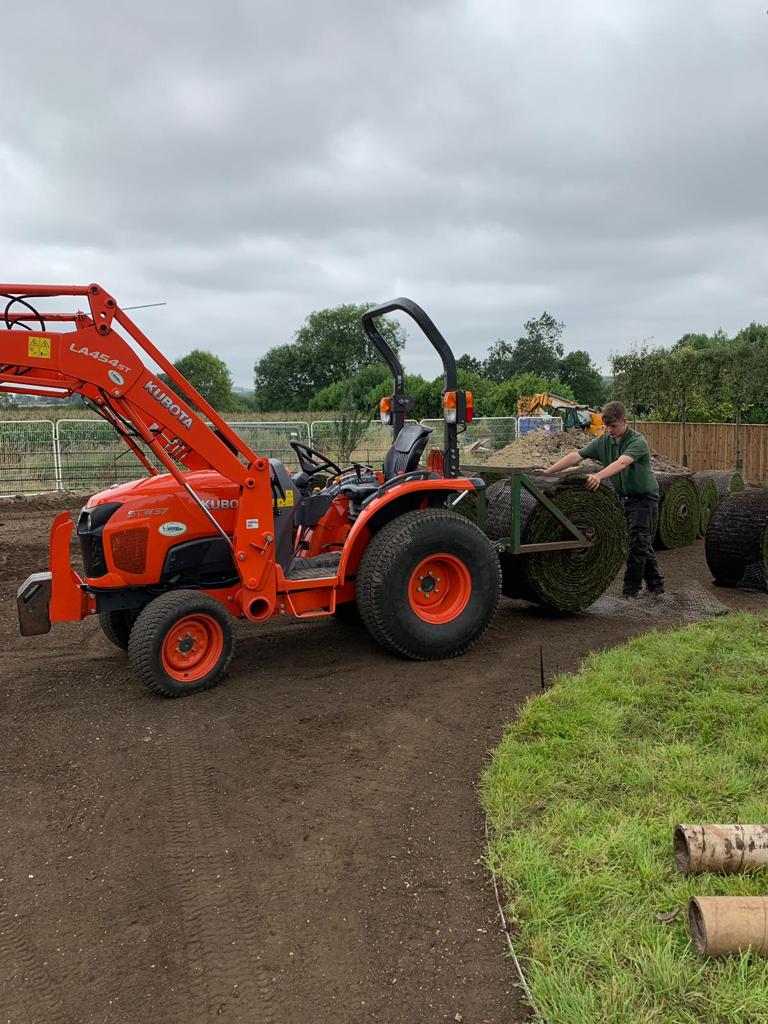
column 359, row 535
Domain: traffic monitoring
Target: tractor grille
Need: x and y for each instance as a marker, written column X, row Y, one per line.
column 94, row 562
column 129, row 549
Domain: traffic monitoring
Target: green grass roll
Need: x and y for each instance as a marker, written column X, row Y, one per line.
column 564, row 580
column 679, row 511
column 708, row 499
column 727, row 481
column 736, row 545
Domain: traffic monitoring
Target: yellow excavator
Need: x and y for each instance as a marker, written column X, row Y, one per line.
column 574, row 416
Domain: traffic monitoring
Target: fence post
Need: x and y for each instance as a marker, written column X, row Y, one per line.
column 57, row 457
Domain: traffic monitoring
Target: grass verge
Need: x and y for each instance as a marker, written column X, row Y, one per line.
column 582, row 795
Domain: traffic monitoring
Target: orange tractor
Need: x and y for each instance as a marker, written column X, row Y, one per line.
column 169, row 561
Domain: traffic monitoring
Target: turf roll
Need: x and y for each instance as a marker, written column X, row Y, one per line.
column 709, row 498
column 727, row 481
column 736, row 545
column 564, row 580
column 679, row 514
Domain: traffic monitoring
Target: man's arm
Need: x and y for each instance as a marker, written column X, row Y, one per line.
column 595, row 479
column 571, row 459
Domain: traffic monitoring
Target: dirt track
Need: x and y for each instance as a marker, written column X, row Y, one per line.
column 300, row 844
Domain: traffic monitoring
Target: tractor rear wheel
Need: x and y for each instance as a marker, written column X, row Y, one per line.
column 182, row 643
column 428, row 585
column 117, row 626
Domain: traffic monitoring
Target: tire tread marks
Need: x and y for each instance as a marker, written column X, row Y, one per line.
column 227, row 979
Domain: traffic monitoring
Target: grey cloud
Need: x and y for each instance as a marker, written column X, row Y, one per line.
column 251, row 162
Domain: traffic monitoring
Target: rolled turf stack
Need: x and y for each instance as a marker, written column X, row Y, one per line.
column 564, row 580
column 736, row 544
column 727, row 481
column 709, row 498
column 679, row 511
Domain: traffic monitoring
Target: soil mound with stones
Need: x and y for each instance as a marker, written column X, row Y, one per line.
column 540, row 448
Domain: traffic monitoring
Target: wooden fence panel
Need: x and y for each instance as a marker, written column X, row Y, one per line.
column 712, row 446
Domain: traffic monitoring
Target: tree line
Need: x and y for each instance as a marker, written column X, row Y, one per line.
column 331, row 366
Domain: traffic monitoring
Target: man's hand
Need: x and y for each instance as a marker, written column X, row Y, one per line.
column 593, row 482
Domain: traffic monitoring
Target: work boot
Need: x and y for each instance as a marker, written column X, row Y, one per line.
column 630, row 595
column 656, row 591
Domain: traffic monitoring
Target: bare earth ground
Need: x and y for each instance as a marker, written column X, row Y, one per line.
column 300, row 844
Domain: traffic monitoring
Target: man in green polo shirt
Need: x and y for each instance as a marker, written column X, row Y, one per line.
column 626, row 460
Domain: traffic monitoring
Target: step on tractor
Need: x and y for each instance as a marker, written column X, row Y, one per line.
column 215, row 532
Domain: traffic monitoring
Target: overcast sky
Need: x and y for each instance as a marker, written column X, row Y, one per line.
column 249, row 162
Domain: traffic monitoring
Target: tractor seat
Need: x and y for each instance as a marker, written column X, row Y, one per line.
column 402, row 457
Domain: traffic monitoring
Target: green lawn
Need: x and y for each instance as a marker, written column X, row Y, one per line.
column 582, row 796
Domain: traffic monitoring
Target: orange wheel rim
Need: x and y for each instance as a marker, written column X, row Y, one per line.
column 191, row 648
column 440, row 588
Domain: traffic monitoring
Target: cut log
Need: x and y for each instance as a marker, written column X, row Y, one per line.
column 721, row 848
column 729, row 924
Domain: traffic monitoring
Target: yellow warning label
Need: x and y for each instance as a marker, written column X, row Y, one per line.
column 287, row 501
column 39, row 348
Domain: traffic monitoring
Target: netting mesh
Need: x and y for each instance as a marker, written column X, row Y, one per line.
column 694, row 604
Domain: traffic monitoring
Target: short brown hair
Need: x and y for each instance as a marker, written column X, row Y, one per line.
column 614, row 412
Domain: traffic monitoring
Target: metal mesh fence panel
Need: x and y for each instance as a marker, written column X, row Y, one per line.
column 526, row 424
column 93, row 456
column 272, row 440
column 345, row 441
column 484, row 435
column 27, row 457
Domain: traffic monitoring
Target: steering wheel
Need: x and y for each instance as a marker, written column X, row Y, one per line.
column 313, row 461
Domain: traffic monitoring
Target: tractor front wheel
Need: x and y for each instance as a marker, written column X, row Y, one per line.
column 117, row 626
column 428, row 585
column 181, row 643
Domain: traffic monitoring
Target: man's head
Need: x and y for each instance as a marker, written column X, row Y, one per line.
column 615, row 419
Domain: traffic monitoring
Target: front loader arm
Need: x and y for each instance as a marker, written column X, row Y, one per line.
column 102, row 360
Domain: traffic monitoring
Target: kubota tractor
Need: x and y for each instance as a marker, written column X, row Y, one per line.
column 171, row 560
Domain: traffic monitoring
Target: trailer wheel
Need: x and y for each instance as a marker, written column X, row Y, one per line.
column 117, row 626
column 182, row 643
column 428, row 585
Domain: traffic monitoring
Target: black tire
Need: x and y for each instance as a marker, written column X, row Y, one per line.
column 385, row 575
column 117, row 626
column 208, row 633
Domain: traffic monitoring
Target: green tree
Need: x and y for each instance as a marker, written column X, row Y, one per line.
column 330, row 346
column 499, row 363
column 539, row 351
column 505, row 397
column 633, row 382
column 207, row 374
column 578, row 370
column 470, row 364
column 362, row 391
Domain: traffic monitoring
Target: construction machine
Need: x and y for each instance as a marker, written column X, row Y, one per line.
column 215, row 532
column 574, row 416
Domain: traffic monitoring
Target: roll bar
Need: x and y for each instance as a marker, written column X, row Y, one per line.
column 400, row 403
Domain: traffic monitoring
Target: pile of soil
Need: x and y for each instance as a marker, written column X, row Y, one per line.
column 540, row 448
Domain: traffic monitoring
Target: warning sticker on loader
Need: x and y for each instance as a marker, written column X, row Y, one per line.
column 39, row 348
column 287, row 501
